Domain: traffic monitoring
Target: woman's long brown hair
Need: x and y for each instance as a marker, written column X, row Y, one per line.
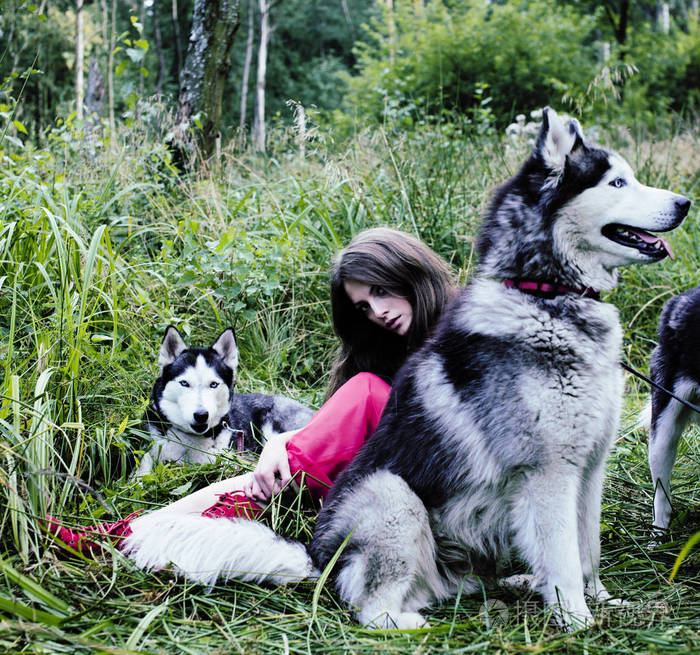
column 405, row 267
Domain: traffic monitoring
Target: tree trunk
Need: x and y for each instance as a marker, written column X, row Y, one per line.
column 663, row 17
column 246, row 65
column 259, row 119
column 214, row 25
column 79, row 59
column 391, row 22
column 178, row 42
column 348, row 18
column 158, row 37
column 95, row 91
column 142, row 21
column 110, row 61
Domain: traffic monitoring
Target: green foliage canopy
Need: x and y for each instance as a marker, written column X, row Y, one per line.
column 442, row 57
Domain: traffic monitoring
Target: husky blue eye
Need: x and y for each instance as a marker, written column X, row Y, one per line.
column 213, row 385
column 184, row 383
column 618, row 182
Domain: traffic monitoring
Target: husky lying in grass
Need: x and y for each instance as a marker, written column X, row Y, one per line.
column 194, row 413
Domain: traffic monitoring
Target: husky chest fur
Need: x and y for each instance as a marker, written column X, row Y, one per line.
column 495, row 436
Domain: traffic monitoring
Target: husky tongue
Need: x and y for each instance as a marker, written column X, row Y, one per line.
column 652, row 238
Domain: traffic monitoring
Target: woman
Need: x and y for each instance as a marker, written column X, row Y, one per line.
column 387, row 291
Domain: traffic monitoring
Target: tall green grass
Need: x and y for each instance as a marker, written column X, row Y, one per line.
column 102, row 248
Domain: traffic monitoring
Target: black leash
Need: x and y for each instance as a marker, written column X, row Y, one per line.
column 641, row 376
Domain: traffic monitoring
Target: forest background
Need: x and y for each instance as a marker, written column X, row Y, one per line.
column 129, row 202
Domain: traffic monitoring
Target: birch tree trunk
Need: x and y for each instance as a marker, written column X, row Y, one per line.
column 79, row 59
column 142, row 21
column 109, row 44
column 259, row 119
column 214, row 25
column 246, row 65
column 391, row 22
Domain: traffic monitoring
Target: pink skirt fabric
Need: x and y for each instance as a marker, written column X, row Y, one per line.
column 321, row 451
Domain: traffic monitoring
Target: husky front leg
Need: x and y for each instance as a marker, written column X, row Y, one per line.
column 589, row 506
column 545, row 519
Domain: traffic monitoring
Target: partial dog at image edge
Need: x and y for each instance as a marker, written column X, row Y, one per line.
column 194, row 413
column 492, row 447
column 675, row 365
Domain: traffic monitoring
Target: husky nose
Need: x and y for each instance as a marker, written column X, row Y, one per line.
column 682, row 205
column 201, row 417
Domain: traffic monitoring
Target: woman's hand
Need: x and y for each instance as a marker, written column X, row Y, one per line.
column 272, row 471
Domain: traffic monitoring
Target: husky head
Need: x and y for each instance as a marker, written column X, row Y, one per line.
column 574, row 213
column 195, row 385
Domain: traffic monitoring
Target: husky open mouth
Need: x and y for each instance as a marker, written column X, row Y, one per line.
column 648, row 244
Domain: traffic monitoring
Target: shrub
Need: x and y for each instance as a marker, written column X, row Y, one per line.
column 441, row 59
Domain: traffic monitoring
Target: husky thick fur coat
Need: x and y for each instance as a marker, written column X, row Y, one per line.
column 493, row 443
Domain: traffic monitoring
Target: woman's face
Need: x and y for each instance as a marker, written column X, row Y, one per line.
column 391, row 312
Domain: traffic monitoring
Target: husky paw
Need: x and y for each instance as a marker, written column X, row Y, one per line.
column 573, row 621
column 518, row 583
column 620, row 602
column 397, row 621
column 409, row 621
column 598, row 593
column 659, row 537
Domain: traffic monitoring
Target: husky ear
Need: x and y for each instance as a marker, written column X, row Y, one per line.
column 557, row 139
column 171, row 347
column 227, row 349
column 576, row 131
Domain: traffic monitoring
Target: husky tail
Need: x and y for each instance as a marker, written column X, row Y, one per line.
column 205, row 550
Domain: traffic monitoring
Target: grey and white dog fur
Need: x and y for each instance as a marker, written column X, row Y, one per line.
column 675, row 365
column 194, row 413
column 493, row 443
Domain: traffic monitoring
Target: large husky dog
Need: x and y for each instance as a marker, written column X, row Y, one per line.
column 194, row 413
column 493, row 442
column 675, row 365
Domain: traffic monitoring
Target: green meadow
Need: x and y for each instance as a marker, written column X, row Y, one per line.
column 104, row 243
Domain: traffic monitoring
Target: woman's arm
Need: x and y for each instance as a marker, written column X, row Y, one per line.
column 272, row 471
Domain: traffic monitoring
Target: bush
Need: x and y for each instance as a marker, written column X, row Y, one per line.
column 442, row 60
